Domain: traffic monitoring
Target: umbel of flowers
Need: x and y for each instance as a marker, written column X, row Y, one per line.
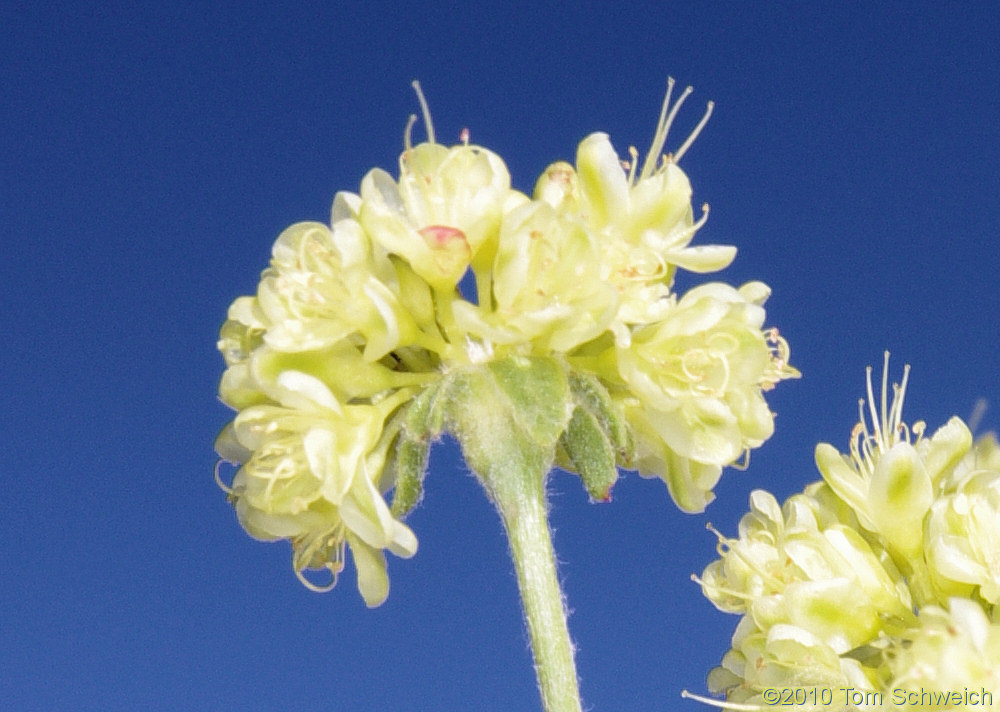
column 358, row 348
column 876, row 584
column 565, row 346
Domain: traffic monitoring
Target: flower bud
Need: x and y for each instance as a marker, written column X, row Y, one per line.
column 559, row 186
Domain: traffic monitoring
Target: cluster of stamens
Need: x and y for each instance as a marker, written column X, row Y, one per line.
column 888, row 427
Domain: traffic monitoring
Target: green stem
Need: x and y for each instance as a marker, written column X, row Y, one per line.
column 518, row 490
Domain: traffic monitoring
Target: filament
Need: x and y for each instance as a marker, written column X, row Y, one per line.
column 426, row 111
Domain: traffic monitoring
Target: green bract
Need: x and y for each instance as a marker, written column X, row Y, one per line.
column 865, row 566
column 359, row 349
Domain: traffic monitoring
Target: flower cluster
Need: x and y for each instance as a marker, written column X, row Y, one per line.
column 353, row 353
column 884, row 576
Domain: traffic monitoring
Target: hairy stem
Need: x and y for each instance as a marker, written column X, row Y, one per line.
column 518, row 490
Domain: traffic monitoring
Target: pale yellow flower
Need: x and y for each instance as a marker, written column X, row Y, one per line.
column 546, row 284
column 310, row 473
column 887, row 479
column 963, row 538
column 643, row 219
column 784, row 658
column 785, row 569
column 953, row 650
column 885, row 573
column 696, row 380
column 444, row 212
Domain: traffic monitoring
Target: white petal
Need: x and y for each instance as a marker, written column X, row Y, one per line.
column 602, row 179
column 373, row 581
column 702, row 258
column 304, row 390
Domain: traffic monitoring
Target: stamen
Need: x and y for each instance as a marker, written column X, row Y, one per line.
column 657, row 145
column 425, row 110
column 857, row 437
column 899, row 393
column 667, row 115
column 886, row 430
column 662, row 130
column 718, row 534
column 721, row 705
column 318, row 588
column 861, row 428
column 887, row 419
column 633, row 164
column 683, row 236
column 724, row 548
column 869, row 454
column 218, row 478
column 694, row 134
column 871, row 406
column 741, row 595
column 302, row 556
column 408, row 132
column 888, row 426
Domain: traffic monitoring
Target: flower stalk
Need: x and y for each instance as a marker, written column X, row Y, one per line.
column 508, row 416
column 517, row 488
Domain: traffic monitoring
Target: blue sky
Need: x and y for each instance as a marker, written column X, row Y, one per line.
column 149, row 155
